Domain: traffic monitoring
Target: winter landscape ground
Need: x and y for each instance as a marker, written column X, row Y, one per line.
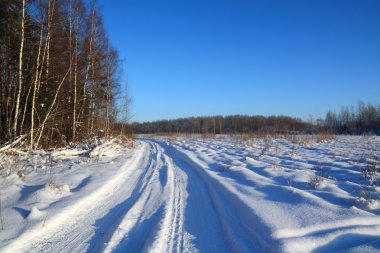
column 196, row 194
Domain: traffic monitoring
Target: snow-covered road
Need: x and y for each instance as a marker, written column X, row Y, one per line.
column 202, row 196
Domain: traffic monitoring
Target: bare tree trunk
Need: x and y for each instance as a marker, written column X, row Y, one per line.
column 9, row 88
column 19, row 70
column 92, row 92
column 107, row 130
column 41, row 129
column 3, row 119
column 75, row 72
column 25, row 108
column 70, row 49
column 42, row 62
column 36, row 85
column 90, row 65
column 50, row 19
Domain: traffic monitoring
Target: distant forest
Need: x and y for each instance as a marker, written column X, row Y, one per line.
column 222, row 125
column 59, row 73
column 363, row 119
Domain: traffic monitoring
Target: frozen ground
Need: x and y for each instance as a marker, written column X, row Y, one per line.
column 191, row 194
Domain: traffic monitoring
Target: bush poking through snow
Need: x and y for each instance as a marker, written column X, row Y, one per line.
column 318, row 178
column 316, row 181
column 11, row 164
column 371, row 171
column 6, row 165
column 266, row 146
column 225, row 167
column 52, row 184
column 57, row 188
column 368, row 198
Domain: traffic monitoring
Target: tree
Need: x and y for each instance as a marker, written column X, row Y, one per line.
column 58, row 80
column 19, row 70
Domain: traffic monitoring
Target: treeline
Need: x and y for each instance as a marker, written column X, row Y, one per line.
column 365, row 118
column 59, row 74
column 225, row 125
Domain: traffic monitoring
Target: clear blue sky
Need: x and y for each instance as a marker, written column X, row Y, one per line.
column 221, row 57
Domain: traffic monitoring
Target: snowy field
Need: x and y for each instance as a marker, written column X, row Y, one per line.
column 194, row 194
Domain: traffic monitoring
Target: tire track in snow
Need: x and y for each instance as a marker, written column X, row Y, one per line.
column 114, row 218
column 158, row 212
column 71, row 228
column 170, row 236
column 233, row 235
column 214, row 230
column 194, row 218
column 145, row 210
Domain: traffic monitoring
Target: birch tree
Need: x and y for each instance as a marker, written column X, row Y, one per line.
column 58, row 72
column 19, row 70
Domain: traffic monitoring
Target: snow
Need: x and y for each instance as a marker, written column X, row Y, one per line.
column 194, row 194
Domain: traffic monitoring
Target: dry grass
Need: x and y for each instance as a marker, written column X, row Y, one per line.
column 371, row 171
column 324, row 137
column 208, row 136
